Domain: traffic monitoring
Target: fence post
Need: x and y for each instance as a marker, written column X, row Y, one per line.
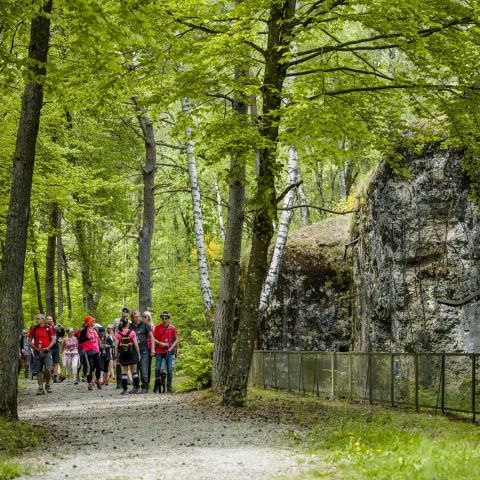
column 370, row 378
column 315, row 379
column 300, row 378
column 263, row 369
column 288, row 372
column 275, row 369
column 415, row 358
column 332, row 368
column 474, row 381
column 392, row 377
column 350, row 373
column 442, row 385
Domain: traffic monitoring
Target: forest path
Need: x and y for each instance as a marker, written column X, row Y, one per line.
column 100, row 434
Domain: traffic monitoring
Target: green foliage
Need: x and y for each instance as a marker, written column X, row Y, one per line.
column 196, row 362
column 361, row 442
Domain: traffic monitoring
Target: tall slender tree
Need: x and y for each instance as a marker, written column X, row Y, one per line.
column 11, row 277
column 148, row 201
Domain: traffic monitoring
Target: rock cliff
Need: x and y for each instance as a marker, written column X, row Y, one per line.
column 309, row 309
column 416, row 239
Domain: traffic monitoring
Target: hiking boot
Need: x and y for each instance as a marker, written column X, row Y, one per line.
column 135, row 390
column 144, row 390
column 48, row 388
column 118, row 387
column 99, row 385
column 76, row 381
column 124, row 392
column 40, row 391
column 90, row 386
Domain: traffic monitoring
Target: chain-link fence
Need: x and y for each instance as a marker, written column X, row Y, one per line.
column 440, row 381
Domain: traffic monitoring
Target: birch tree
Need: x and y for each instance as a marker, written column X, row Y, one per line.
column 197, row 217
column 283, row 228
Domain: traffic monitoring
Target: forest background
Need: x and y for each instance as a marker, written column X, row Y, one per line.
column 169, row 128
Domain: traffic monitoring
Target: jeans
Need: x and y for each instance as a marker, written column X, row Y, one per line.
column 143, row 367
column 169, row 363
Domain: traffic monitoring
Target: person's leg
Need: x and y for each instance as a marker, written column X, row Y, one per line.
column 149, row 369
column 158, row 365
column 91, row 367
column 48, row 364
column 124, row 373
column 119, row 375
column 26, row 365
column 39, row 370
column 135, row 379
column 97, row 368
column 143, row 364
column 169, row 371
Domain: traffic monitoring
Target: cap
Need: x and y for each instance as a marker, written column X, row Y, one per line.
column 88, row 320
column 164, row 314
column 125, row 310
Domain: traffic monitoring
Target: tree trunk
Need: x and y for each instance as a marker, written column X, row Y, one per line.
column 282, row 236
column 67, row 283
column 50, row 262
column 89, row 303
column 279, row 38
column 11, row 277
column 36, row 272
column 197, row 220
column 220, row 211
column 59, row 268
column 302, row 198
column 148, row 217
column 230, row 272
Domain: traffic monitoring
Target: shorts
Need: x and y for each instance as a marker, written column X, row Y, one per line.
column 56, row 353
column 43, row 362
column 128, row 358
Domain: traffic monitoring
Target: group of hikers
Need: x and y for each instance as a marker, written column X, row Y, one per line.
column 123, row 352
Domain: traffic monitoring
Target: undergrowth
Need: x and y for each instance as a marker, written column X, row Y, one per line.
column 361, row 442
column 15, row 438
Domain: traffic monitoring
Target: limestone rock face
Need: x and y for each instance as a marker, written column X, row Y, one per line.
column 309, row 309
column 418, row 241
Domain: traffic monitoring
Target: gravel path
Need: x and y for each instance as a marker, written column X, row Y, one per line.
column 100, row 434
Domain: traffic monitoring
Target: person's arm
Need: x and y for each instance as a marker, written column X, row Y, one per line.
column 152, row 342
column 52, row 342
column 135, row 342
column 174, row 344
column 116, row 348
column 31, row 342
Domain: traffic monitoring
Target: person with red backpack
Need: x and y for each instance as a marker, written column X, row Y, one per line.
column 42, row 339
column 90, row 347
column 128, row 355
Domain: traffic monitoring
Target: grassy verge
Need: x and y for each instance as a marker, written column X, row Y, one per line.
column 362, row 442
column 15, row 438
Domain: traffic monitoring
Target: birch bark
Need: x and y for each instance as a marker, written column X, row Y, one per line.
column 282, row 236
column 197, row 218
column 220, row 211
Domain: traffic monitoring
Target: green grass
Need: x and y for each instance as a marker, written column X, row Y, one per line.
column 362, row 442
column 15, row 438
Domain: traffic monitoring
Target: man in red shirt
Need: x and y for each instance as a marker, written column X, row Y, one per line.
column 166, row 341
column 42, row 339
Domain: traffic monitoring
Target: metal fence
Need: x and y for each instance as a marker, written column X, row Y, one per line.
column 441, row 381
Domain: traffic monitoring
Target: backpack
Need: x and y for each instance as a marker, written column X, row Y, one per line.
column 126, row 343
